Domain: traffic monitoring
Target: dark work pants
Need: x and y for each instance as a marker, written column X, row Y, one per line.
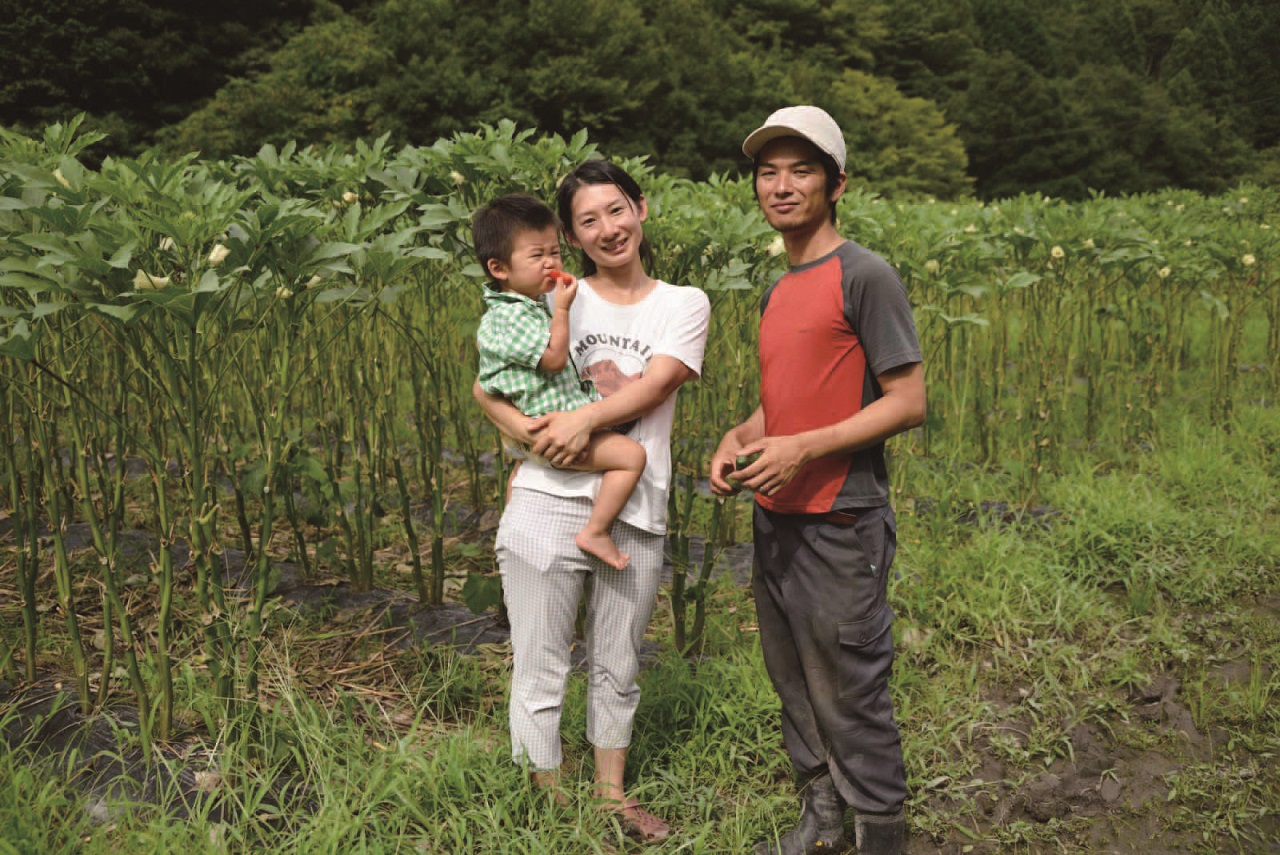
column 824, row 628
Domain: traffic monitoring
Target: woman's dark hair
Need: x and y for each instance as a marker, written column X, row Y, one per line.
column 595, row 172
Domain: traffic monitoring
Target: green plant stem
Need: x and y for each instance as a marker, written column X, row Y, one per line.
column 410, row 532
column 698, row 593
column 59, row 518
column 25, row 528
column 202, row 515
column 164, row 616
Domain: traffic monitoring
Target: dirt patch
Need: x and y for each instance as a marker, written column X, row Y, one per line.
column 1267, row 606
column 1001, row 513
column 1106, row 796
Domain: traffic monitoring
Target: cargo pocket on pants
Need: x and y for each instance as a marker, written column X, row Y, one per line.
column 866, row 652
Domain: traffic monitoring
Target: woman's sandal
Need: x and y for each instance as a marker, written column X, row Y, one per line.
column 639, row 824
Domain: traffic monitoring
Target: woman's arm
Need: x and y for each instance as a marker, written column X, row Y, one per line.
column 504, row 415
column 560, row 437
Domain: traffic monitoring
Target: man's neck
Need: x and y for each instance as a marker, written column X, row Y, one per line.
column 805, row 246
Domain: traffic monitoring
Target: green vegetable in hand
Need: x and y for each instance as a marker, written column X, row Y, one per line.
column 742, row 462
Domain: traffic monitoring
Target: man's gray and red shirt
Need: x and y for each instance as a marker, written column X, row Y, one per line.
column 827, row 328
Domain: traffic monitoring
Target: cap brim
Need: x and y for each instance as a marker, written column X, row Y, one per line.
column 757, row 139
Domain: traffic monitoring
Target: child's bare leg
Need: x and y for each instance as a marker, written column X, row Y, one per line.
column 622, row 461
column 595, row 536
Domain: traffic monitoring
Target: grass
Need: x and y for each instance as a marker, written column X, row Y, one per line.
column 1015, row 636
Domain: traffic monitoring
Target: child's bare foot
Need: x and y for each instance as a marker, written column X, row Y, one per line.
column 601, row 545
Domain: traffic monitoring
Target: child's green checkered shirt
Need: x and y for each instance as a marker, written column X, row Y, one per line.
column 512, row 337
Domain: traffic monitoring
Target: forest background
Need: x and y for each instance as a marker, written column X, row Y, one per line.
column 943, row 98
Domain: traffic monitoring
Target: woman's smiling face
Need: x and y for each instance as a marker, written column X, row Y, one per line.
column 607, row 224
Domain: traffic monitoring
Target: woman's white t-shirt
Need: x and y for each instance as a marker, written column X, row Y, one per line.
column 611, row 345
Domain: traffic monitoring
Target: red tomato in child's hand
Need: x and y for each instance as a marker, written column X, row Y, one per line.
column 560, row 276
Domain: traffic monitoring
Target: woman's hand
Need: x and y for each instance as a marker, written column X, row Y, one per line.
column 521, row 430
column 561, row 437
column 508, row 420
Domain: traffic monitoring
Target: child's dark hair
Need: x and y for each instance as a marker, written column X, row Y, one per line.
column 599, row 172
column 494, row 227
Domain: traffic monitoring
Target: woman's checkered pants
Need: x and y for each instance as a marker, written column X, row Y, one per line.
column 543, row 576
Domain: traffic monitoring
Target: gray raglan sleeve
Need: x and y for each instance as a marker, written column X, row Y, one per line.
column 877, row 308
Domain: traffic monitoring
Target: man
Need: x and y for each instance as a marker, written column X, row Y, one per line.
column 840, row 372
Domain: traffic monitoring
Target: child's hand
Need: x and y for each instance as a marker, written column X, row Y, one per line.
column 566, row 289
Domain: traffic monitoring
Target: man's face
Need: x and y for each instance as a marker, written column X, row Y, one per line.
column 791, row 185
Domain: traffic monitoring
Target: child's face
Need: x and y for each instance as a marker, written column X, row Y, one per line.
column 534, row 254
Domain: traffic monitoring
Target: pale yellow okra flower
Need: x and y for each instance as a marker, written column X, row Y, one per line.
column 143, row 281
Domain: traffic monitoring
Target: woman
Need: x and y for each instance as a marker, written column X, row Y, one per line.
column 641, row 339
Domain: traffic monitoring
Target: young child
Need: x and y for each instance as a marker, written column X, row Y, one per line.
column 524, row 349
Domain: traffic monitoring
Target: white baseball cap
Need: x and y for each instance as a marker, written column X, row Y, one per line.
column 811, row 123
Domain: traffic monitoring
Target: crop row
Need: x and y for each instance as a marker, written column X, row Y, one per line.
column 284, row 344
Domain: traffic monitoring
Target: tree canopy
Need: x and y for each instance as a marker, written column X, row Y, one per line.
column 132, row 66
column 937, row 97
column 666, row 78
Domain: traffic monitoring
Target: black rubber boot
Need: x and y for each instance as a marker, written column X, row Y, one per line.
column 879, row 833
column 821, row 827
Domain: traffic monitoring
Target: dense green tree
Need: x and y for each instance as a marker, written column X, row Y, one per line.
column 1224, row 61
column 1158, row 23
column 1265, row 169
column 1019, row 133
column 1060, row 98
column 1202, row 152
column 664, row 78
column 898, row 146
column 319, row 89
column 1135, row 34
column 834, row 34
column 1200, row 66
column 707, row 91
column 553, row 64
column 1120, row 97
column 133, row 66
column 930, row 49
column 1125, row 129
column 655, row 77
column 1018, row 28
column 1257, row 28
